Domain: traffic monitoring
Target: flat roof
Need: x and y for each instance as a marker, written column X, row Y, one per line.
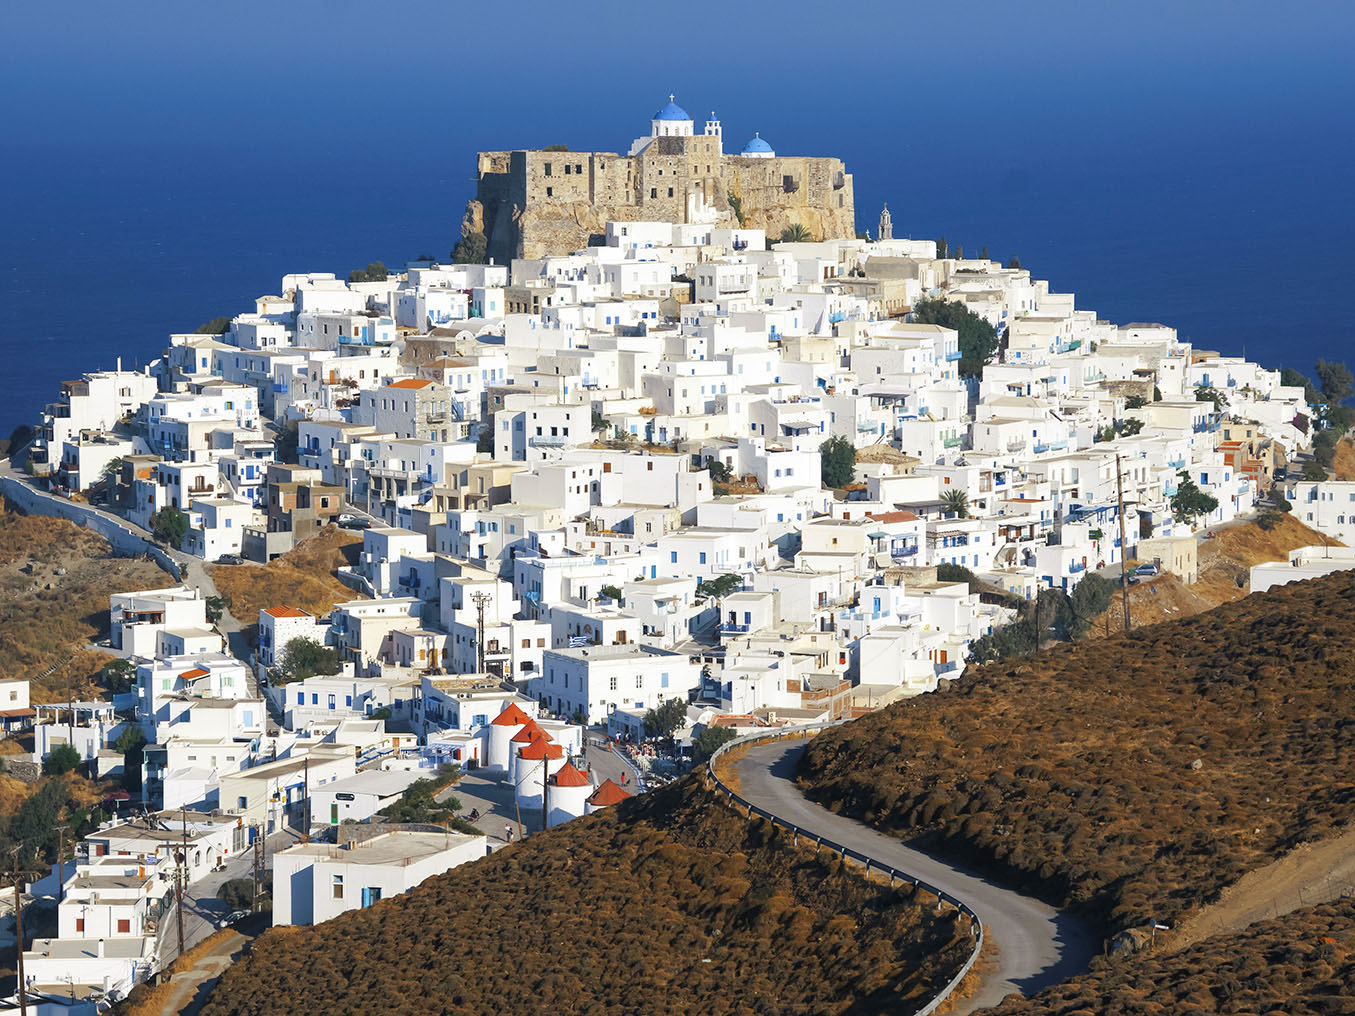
column 387, row 848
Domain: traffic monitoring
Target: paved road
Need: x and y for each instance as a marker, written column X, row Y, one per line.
column 1037, row 945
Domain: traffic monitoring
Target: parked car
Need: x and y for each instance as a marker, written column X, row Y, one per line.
column 354, row 522
column 230, row 559
column 231, row 918
column 1146, row 570
column 343, row 518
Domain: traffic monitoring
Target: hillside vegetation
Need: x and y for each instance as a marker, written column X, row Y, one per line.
column 669, row 903
column 1134, row 777
column 55, row 581
column 303, row 577
column 1300, row 965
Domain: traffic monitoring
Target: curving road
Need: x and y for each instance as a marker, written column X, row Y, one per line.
column 1037, row 945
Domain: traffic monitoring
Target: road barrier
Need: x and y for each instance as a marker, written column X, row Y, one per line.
column 871, row 863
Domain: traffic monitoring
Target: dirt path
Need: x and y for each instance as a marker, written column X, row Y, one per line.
column 188, row 991
column 1310, row 874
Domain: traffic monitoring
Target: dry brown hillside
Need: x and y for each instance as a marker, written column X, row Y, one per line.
column 55, row 581
column 669, row 903
column 1225, row 562
column 1300, row 965
column 1343, row 465
column 303, row 577
column 1133, row 777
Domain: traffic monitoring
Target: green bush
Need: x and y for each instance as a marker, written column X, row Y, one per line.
column 61, row 759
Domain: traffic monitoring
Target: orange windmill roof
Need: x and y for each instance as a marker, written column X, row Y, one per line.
column 568, row 776
column 538, row 750
column 607, row 794
column 511, row 716
column 531, row 731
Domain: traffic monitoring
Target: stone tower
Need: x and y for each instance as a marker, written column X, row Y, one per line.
column 886, row 225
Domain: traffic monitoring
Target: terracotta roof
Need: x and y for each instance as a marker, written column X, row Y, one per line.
column 900, row 516
column 538, row 750
column 11, row 714
column 286, row 612
column 531, row 731
column 568, row 776
column 410, row 382
column 607, row 794
column 194, row 674
column 511, row 716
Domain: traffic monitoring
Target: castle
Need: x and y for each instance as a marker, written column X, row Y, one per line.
column 532, row 203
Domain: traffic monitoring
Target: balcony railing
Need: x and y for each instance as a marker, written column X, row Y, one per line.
column 952, row 442
column 952, row 357
column 547, row 441
column 1039, row 448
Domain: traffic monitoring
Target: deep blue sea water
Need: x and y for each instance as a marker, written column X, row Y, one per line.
column 1189, row 164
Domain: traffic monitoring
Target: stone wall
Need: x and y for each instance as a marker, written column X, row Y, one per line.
column 537, row 203
column 126, row 540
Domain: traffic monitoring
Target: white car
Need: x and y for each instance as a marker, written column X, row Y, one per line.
column 232, row 918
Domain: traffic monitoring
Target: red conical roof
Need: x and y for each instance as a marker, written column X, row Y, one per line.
column 538, row 750
column 607, row 794
column 531, row 731
column 568, row 776
column 511, row 716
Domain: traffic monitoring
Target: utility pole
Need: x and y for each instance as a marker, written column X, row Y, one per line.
column 481, row 598
column 545, row 783
column 181, row 873
column 254, row 905
column 306, row 797
column 19, row 932
column 1124, row 546
column 60, row 864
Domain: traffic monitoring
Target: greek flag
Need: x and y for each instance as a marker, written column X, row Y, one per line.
column 578, row 641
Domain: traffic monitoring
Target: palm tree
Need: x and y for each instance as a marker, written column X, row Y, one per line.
column 957, row 503
column 796, row 233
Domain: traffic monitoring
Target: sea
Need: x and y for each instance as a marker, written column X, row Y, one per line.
column 106, row 249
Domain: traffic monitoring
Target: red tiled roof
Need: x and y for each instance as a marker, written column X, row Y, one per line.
column 13, row 714
column 511, row 716
column 194, row 674
column 410, row 382
column 568, row 776
column 531, row 731
column 899, row 516
column 286, row 612
column 538, row 750
column 607, row 794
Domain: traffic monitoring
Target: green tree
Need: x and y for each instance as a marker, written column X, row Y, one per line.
column 735, row 206
column 556, row 148
column 112, row 469
column 484, row 440
column 216, row 326
column 600, row 423
column 1190, row 502
column 837, row 462
column 1135, row 402
column 721, row 586
column 419, row 803
column 131, row 743
column 1091, row 597
column 118, row 676
column 959, row 252
column 1208, row 393
column 942, row 249
column 719, row 472
column 610, row 591
column 238, row 893
column 978, row 338
column 709, row 741
column 1131, row 427
column 288, row 439
column 796, row 233
column 217, row 606
column 984, row 253
column 471, row 249
column 305, row 658
column 169, row 525
column 1291, row 378
column 1335, row 381
column 670, row 715
column 61, row 759
column 1312, row 470
column 374, row 272
column 1015, row 262
column 956, row 502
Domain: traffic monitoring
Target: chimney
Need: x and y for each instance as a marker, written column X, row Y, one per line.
column 99, row 948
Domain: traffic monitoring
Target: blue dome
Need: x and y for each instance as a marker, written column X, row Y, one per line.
column 672, row 111
column 756, row 146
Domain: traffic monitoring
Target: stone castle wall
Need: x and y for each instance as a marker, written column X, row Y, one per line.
column 535, row 203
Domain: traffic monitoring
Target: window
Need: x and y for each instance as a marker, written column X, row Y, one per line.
column 336, row 887
column 550, row 192
column 653, row 192
column 673, row 554
column 548, row 169
column 124, row 926
column 611, row 684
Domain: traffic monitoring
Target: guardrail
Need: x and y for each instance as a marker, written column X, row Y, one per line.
column 871, row 864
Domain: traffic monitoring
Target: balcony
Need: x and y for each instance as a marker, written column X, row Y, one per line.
column 952, row 357
column 1177, row 463
column 728, row 628
column 1076, row 567
column 952, row 442
column 547, row 441
column 1040, row 449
